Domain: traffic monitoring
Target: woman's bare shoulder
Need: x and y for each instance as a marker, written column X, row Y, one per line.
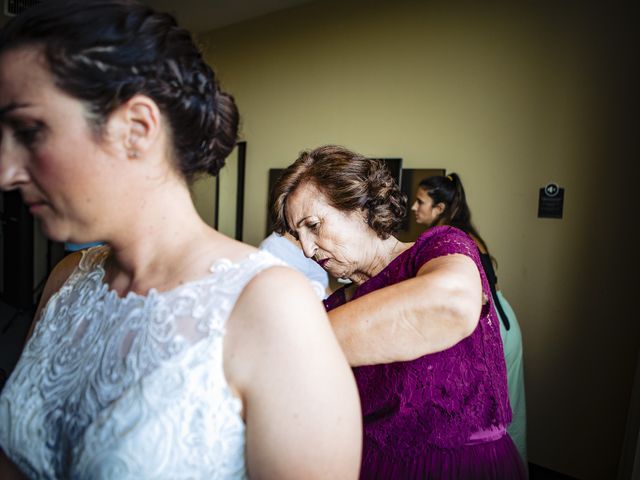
column 60, row 273
column 275, row 307
column 276, row 292
column 65, row 268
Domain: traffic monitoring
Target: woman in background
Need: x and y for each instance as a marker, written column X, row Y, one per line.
column 172, row 351
column 440, row 200
column 427, row 354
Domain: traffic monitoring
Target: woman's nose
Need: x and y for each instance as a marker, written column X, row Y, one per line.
column 308, row 247
column 12, row 171
column 414, row 207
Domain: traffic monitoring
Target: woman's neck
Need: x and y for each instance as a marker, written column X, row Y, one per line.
column 383, row 253
column 161, row 245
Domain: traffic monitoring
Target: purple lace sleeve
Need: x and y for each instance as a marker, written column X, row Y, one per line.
column 441, row 241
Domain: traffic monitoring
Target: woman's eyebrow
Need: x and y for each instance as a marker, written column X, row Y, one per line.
column 302, row 220
column 4, row 110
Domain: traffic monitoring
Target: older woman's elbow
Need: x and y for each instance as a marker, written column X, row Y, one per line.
column 469, row 324
column 466, row 313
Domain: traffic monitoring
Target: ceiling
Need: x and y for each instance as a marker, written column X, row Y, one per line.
column 203, row 15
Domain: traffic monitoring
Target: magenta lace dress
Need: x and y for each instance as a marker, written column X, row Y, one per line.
column 443, row 415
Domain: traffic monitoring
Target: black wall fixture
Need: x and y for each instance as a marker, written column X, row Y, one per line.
column 241, row 167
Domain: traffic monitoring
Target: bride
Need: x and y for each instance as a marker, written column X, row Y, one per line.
column 172, row 351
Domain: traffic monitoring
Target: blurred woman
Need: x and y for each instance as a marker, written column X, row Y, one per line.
column 427, row 353
column 441, row 200
column 172, row 351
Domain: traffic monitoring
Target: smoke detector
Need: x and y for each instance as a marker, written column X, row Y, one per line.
column 16, row 7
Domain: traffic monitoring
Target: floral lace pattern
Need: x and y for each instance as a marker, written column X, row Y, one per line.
column 419, row 415
column 130, row 387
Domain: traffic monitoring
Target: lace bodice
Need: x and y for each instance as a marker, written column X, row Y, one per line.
column 131, row 387
column 439, row 402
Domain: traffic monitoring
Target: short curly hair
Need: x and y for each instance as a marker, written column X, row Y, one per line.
column 350, row 182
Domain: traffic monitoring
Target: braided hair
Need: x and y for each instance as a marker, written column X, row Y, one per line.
column 103, row 52
column 350, row 182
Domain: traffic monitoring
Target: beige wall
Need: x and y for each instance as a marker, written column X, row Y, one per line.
column 509, row 99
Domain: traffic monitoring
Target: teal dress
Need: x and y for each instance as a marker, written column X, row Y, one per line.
column 512, row 344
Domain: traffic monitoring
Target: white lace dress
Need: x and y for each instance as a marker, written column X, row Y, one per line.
column 132, row 387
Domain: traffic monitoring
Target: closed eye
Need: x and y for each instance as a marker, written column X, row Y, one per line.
column 28, row 136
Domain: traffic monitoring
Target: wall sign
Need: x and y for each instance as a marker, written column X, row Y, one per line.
column 550, row 201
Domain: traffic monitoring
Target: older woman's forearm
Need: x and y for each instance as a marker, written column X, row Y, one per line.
column 422, row 315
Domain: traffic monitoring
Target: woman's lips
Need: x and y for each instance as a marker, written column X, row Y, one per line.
column 322, row 261
column 36, row 207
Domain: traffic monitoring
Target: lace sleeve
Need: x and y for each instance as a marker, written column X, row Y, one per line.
column 441, row 241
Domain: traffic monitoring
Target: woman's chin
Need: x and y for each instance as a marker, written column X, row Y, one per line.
column 53, row 232
column 342, row 275
column 343, row 280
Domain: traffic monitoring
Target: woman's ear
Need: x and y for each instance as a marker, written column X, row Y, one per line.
column 140, row 125
column 439, row 208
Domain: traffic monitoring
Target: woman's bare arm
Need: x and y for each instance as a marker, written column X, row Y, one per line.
column 301, row 403
column 426, row 314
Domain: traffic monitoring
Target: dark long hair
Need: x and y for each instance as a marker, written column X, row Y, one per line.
column 449, row 191
column 103, row 52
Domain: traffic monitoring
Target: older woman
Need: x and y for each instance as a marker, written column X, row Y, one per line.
column 426, row 350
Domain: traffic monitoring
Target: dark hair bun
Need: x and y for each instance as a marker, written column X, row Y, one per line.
column 386, row 204
column 225, row 133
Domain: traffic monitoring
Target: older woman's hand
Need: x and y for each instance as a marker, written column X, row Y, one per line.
column 425, row 314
